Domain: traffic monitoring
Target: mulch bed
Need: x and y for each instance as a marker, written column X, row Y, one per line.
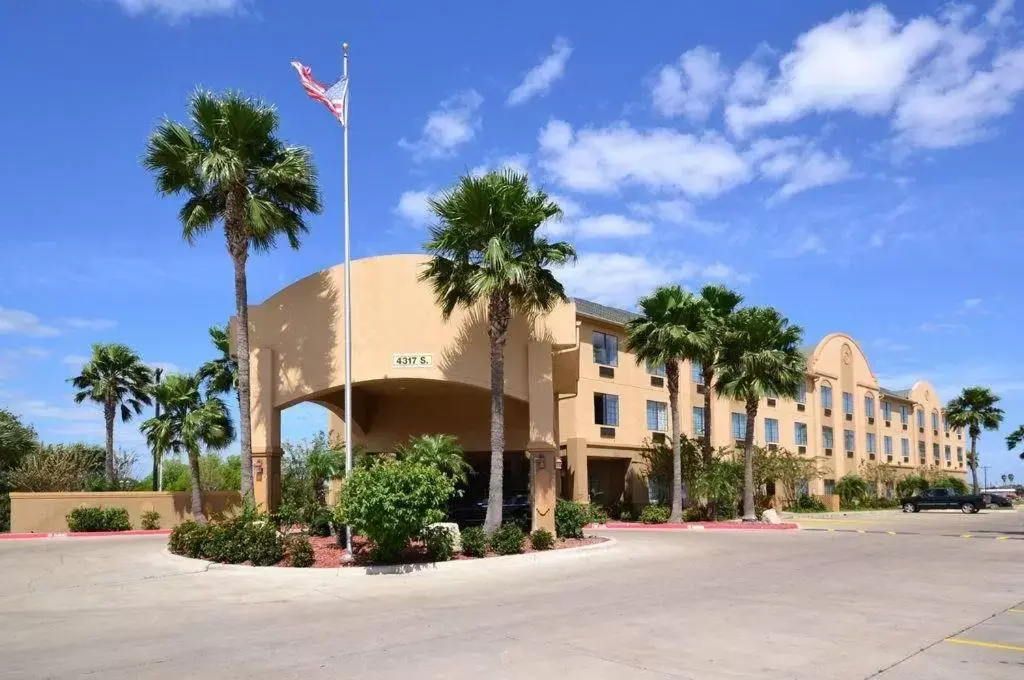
column 328, row 553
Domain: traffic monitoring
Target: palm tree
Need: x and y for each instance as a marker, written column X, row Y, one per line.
column 115, row 377
column 235, row 171
column 157, row 375
column 1010, row 477
column 188, row 423
column 220, row 374
column 1003, row 477
column 719, row 305
column 664, row 334
column 761, row 356
column 485, row 247
column 1013, row 440
column 441, row 451
column 974, row 409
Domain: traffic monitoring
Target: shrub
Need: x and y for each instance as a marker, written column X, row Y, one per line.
column 958, row 485
column 440, row 543
column 225, row 542
column 150, row 520
column 542, row 539
column 852, row 489
column 392, row 502
column 264, row 544
column 911, row 485
column 320, row 522
column 596, row 514
column 188, row 539
column 98, row 519
column 508, row 539
column 474, row 541
column 654, row 514
column 570, row 519
column 805, row 503
column 626, row 515
column 300, row 551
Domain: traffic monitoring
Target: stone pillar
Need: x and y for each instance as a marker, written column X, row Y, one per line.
column 542, row 446
column 266, row 430
column 576, row 459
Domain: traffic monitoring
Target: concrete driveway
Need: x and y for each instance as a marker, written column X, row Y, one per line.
column 808, row 604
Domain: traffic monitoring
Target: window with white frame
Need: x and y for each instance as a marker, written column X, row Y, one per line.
column 698, row 421
column 886, row 410
column 826, row 396
column 739, row 426
column 771, row 430
column 887, row 443
column 606, row 349
column 949, row 454
column 959, row 453
column 905, row 447
column 696, row 373
column 800, row 434
column 935, row 420
column 849, row 440
column 869, row 406
column 826, row 436
column 920, row 418
column 801, row 392
column 656, row 369
column 657, row 416
column 869, row 442
column 848, row 403
column 904, row 414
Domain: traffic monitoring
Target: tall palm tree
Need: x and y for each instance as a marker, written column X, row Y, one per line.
column 235, row 172
column 720, row 304
column 1003, row 477
column 220, row 374
column 974, row 409
column 485, row 248
column 115, row 377
column 189, row 422
column 666, row 332
column 761, row 356
column 1013, row 440
column 157, row 375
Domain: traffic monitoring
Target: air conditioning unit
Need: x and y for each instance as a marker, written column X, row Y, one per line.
column 871, row 456
column 608, row 432
column 888, row 459
column 773, row 447
column 801, row 449
column 606, row 371
column 920, row 430
column 935, row 433
column 849, row 416
column 828, row 452
column 701, row 389
column 849, row 454
column 904, row 426
column 888, row 423
column 906, row 461
column 871, row 420
column 771, row 402
column 659, row 437
column 828, row 412
column 657, row 381
column 801, row 407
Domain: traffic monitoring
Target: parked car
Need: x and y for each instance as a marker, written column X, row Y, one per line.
column 472, row 512
column 997, row 500
column 945, row 499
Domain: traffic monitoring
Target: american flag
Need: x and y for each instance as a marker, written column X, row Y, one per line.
column 334, row 97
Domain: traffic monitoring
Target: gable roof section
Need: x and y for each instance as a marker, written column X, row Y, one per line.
column 613, row 315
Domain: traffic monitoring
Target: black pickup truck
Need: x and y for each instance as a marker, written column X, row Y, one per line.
column 945, row 499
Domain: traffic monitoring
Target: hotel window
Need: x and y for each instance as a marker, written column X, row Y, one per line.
column 959, row 453
column 905, row 449
column 800, row 433
column 696, row 373
column 886, row 410
column 949, row 454
column 771, row 431
column 904, row 414
column 826, row 437
column 606, row 349
column 848, row 403
column 921, row 450
column 920, row 418
column 935, row 420
column 887, row 443
column 698, row 421
column 656, row 369
column 848, row 440
column 801, row 392
column 870, row 442
column 606, row 409
column 657, row 416
column 869, row 406
column 826, row 396
column 830, row 487
column 935, row 452
column 739, row 426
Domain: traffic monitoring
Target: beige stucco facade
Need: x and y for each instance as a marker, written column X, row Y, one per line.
column 415, row 372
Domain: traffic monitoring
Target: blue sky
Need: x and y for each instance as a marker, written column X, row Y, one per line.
column 855, row 165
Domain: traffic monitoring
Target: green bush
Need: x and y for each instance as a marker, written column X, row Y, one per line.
column 5, row 512
column 98, row 519
column 264, row 543
column 958, row 485
column 508, row 539
column 474, row 541
column 654, row 514
column 596, row 514
column 626, row 515
column 188, row 539
column 392, row 502
column 300, row 551
column 250, row 537
column 225, row 542
column 440, row 543
column 805, row 503
column 150, row 520
column 852, row 490
column 911, row 485
column 542, row 539
column 570, row 518
column 320, row 522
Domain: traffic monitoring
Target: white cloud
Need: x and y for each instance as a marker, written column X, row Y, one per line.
column 42, row 409
column 570, row 208
column 180, row 9
column 691, row 87
column 877, row 239
column 748, row 82
column 716, row 270
column 602, row 159
column 74, row 360
column 798, row 164
column 888, row 345
column 79, row 323
column 412, row 206
column 451, row 125
column 999, row 10
column 940, row 327
column 519, row 163
column 20, row 322
column 801, row 244
column 540, row 78
column 676, row 211
column 610, row 226
column 971, row 303
column 613, row 278
column 14, row 359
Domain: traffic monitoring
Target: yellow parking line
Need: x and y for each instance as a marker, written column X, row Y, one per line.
column 989, row 645
column 861, row 531
column 1016, row 611
column 1002, row 538
column 966, row 535
column 891, row 533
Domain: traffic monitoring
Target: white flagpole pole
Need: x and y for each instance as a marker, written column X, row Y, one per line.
column 348, row 297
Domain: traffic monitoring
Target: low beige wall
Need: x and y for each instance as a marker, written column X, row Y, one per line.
column 46, row 512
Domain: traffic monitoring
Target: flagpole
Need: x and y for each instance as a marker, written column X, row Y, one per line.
column 348, row 295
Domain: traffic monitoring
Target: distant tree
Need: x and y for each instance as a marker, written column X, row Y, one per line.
column 189, row 423
column 1003, row 477
column 485, row 247
column 17, row 440
column 760, row 356
column 58, row 467
column 114, row 377
column 974, row 409
column 1010, row 477
column 234, row 170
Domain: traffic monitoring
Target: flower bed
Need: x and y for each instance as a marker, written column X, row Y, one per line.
column 328, row 553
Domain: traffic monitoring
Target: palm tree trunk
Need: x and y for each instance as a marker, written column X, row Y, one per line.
column 156, row 458
column 498, row 311
column 109, row 411
column 197, row 490
column 749, row 514
column 672, row 374
column 238, row 245
column 974, row 463
column 708, row 376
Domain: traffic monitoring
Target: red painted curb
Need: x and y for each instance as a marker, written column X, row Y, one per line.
column 684, row 526
column 85, row 534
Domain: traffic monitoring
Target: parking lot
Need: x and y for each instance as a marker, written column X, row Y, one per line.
column 910, row 597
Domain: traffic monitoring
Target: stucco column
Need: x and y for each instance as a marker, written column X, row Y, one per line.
column 266, row 430
column 576, row 459
column 542, row 445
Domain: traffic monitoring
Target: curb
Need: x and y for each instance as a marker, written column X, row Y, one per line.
column 692, row 526
column 84, row 534
column 547, row 556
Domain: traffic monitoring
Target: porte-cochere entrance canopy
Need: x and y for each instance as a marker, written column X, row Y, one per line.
column 413, row 372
